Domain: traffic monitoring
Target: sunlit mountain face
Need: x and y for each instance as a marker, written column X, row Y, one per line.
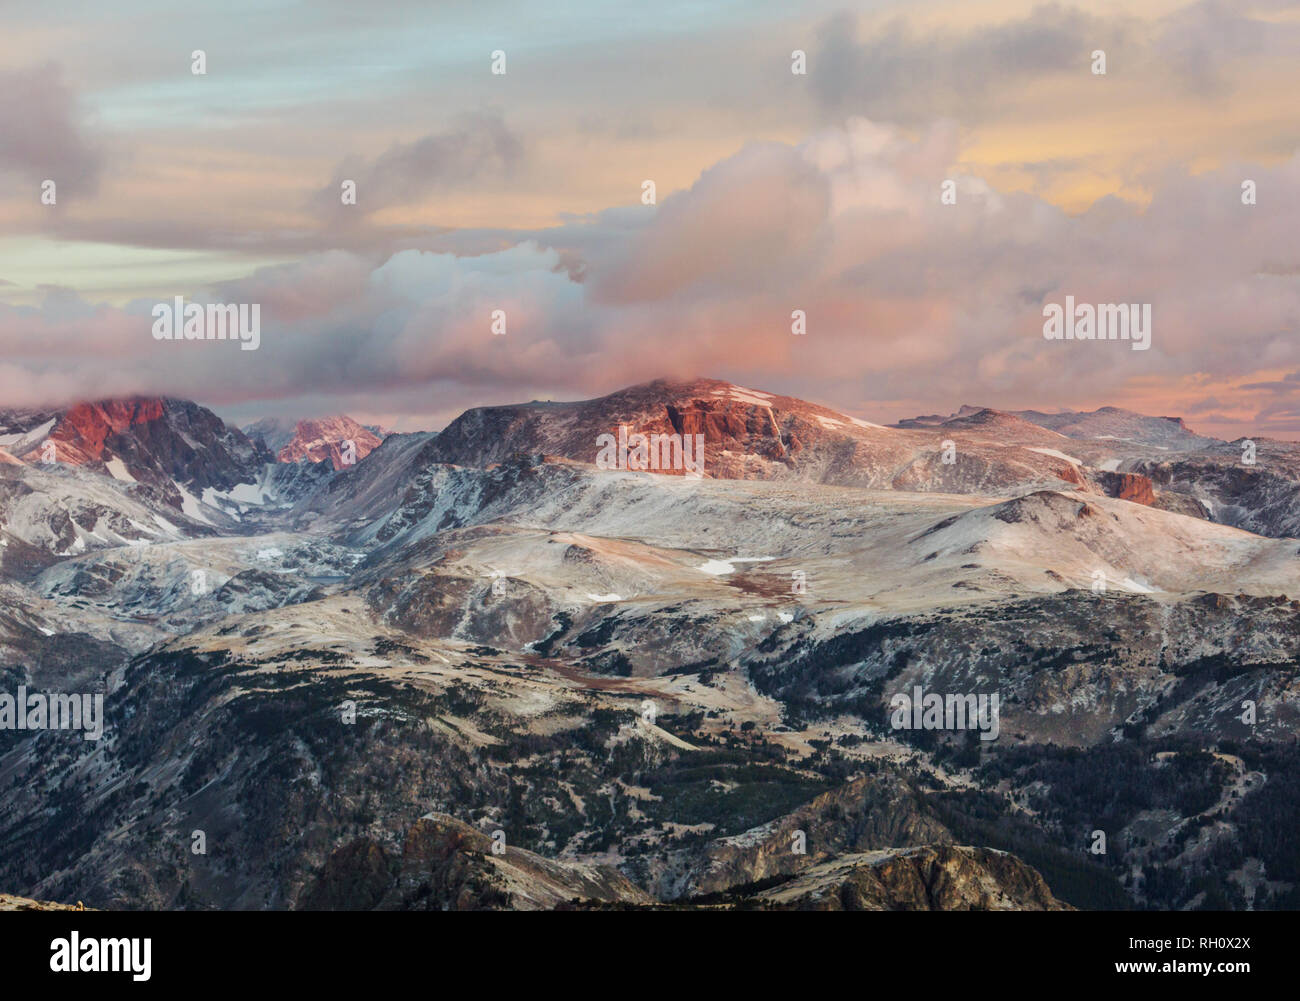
column 814, row 659
column 537, row 456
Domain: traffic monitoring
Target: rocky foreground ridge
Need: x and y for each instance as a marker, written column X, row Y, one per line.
column 448, row 865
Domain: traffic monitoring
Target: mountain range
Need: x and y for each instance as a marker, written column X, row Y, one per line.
column 478, row 668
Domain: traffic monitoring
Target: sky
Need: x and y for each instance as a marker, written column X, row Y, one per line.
column 774, row 192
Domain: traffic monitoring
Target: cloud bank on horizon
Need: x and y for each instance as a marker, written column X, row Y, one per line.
column 523, row 192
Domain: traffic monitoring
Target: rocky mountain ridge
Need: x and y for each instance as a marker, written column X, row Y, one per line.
column 655, row 686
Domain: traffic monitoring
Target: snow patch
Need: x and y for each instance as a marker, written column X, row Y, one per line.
column 190, row 505
column 239, row 494
column 166, row 525
column 720, row 567
column 748, row 396
column 117, row 469
column 1058, row 455
column 24, row 441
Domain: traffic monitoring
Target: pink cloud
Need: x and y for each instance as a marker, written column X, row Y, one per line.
column 911, row 303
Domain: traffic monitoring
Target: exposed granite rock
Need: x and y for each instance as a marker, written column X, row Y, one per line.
column 448, row 865
column 1128, row 486
column 925, row 878
column 867, row 813
column 355, row 878
column 8, row 902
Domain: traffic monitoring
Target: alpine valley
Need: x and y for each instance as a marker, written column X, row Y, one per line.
column 343, row 668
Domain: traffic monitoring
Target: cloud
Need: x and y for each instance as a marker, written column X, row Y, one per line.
column 895, row 70
column 42, row 133
column 1200, row 42
column 912, row 304
column 740, row 225
column 899, row 72
column 592, row 105
column 477, row 145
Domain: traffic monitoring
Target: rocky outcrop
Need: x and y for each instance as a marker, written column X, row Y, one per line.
column 754, row 435
column 152, row 441
column 866, row 813
column 924, row 878
column 1263, row 497
column 355, row 878
column 257, row 590
column 448, row 865
column 1116, row 423
column 326, row 438
column 82, row 431
column 8, row 902
column 1128, row 486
